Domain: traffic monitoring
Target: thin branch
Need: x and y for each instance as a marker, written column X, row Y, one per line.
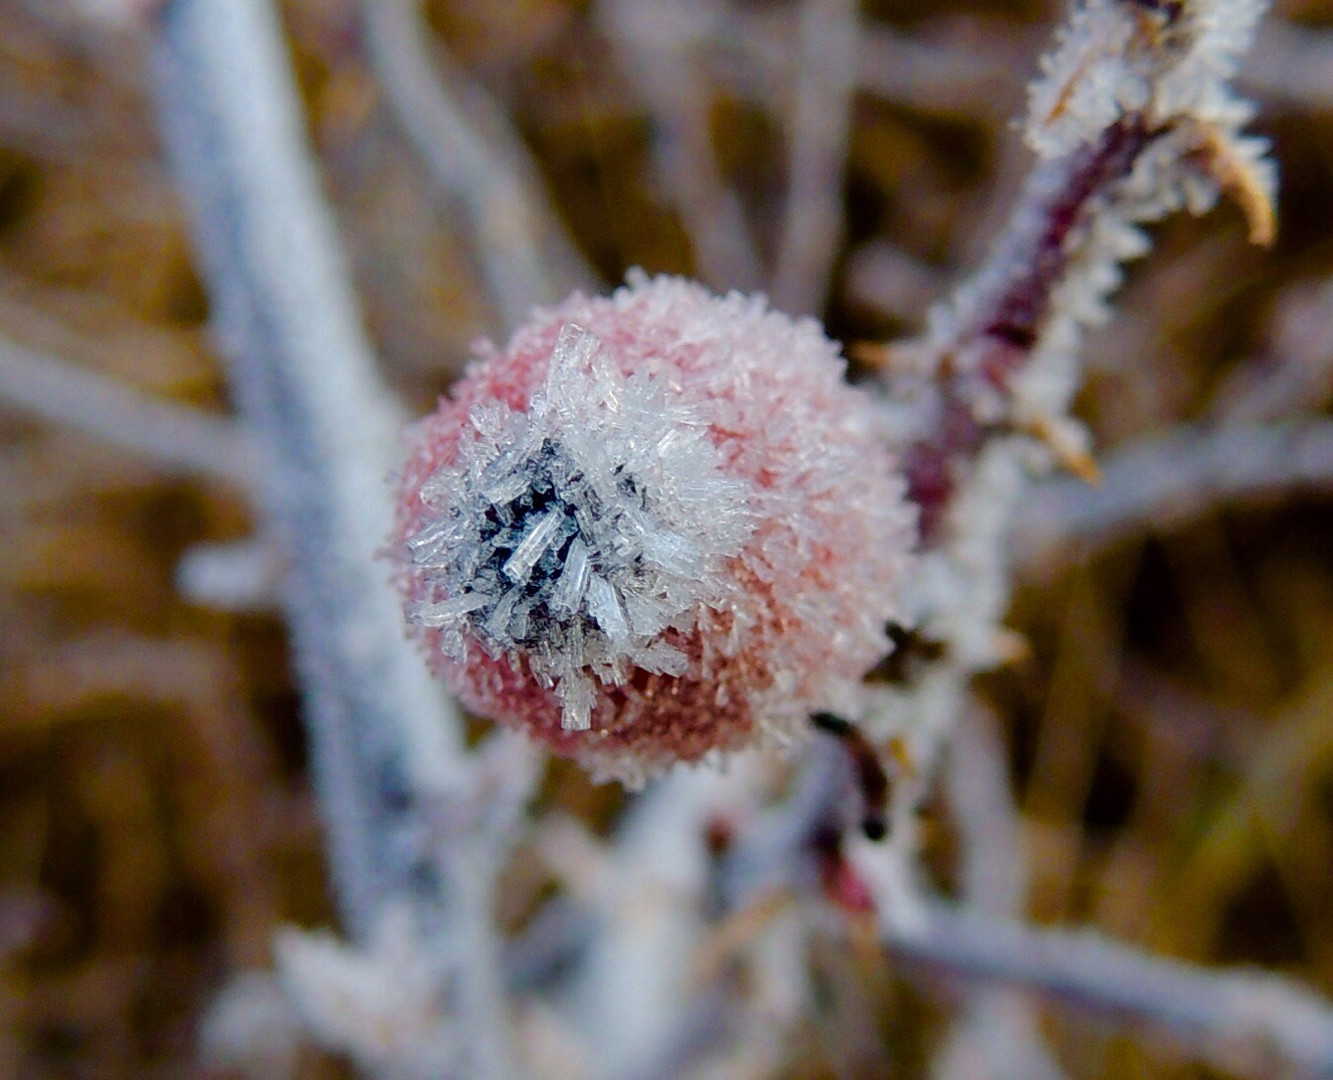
column 1238, row 1019
column 983, row 397
column 467, row 143
column 993, row 861
column 888, row 278
column 658, row 41
column 938, row 68
column 305, row 382
column 1293, row 372
column 1002, row 316
column 998, row 1034
column 1161, row 481
column 1235, row 1018
column 175, row 437
column 931, row 70
column 967, row 70
column 818, row 137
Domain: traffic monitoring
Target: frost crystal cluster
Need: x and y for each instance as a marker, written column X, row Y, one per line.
column 579, row 531
column 1141, row 87
column 656, row 526
column 1167, row 68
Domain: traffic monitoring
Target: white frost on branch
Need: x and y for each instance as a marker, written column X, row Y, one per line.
column 385, row 1004
column 1132, row 120
column 634, row 993
column 1162, row 60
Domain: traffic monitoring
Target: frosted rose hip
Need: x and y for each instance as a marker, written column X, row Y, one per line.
column 655, row 526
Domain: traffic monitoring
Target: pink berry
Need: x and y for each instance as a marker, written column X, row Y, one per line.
column 655, row 526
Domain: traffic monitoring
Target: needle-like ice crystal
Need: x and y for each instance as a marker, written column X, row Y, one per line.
column 576, row 532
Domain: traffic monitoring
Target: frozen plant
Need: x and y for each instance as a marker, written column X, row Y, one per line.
column 659, row 527
column 1132, row 119
column 654, row 527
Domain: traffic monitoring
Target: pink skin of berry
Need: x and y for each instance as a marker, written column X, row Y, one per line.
column 798, row 579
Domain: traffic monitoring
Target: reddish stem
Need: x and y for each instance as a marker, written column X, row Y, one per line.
column 985, row 354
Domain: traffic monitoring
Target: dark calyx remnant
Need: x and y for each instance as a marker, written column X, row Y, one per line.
column 503, row 527
column 871, row 778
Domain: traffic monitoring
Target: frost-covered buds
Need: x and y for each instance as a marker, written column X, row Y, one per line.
column 657, row 525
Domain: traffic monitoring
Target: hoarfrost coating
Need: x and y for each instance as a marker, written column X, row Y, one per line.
column 657, row 525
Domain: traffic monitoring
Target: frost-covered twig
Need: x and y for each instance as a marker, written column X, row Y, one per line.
column 467, row 143
column 393, row 783
column 884, row 276
column 1132, row 120
column 1244, row 453
column 993, row 864
column 1237, row 1019
column 240, row 576
column 658, row 41
column 943, row 75
column 305, row 383
column 929, row 69
column 997, row 1036
column 175, row 437
column 818, row 136
column 968, row 69
column 1161, row 481
column 629, row 1004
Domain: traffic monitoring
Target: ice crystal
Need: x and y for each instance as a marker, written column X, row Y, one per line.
column 1163, row 61
column 1153, row 77
column 577, row 532
column 656, row 526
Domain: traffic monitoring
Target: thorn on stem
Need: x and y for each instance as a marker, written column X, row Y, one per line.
column 1064, row 439
column 1242, row 179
